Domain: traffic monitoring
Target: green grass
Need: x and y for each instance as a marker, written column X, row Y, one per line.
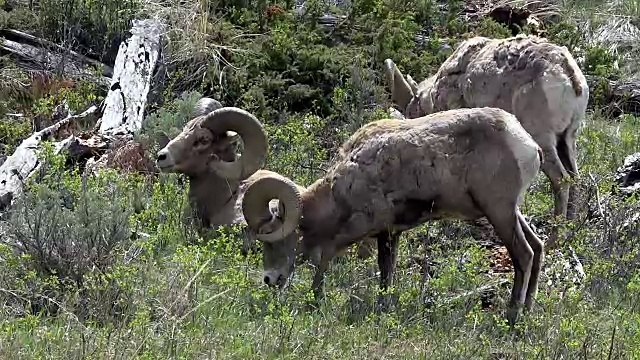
column 83, row 288
column 187, row 298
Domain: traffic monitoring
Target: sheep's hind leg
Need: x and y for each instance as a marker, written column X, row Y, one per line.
column 567, row 151
column 553, row 168
column 387, row 260
column 538, row 259
column 507, row 226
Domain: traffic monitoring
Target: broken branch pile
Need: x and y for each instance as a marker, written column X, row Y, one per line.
column 123, row 108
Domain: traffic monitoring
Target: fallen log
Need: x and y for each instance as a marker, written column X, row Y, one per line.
column 135, row 63
column 28, row 39
column 619, row 97
column 34, row 58
column 24, row 162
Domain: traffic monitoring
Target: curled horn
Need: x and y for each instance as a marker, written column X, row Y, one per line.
column 253, row 135
column 401, row 93
column 256, row 201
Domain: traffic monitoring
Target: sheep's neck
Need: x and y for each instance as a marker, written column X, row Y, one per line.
column 211, row 194
column 318, row 207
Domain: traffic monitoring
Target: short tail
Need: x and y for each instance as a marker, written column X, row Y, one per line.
column 572, row 71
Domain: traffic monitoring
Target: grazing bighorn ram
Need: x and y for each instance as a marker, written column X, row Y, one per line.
column 205, row 151
column 393, row 175
column 537, row 81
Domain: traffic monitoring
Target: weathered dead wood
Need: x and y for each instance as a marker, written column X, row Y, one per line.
column 135, row 63
column 34, row 58
column 620, row 97
column 24, row 162
column 28, row 39
column 483, row 293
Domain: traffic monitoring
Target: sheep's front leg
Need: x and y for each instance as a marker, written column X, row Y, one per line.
column 318, row 278
column 509, row 229
column 387, row 259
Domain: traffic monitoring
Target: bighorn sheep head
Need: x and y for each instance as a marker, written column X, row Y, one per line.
column 406, row 93
column 208, row 143
column 278, row 245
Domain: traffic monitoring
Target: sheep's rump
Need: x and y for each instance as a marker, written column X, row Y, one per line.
column 433, row 161
column 485, row 72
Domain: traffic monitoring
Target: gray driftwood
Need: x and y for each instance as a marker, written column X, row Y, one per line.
column 56, row 59
column 620, row 97
column 24, row 162
column 28, row 39
column 132, row 74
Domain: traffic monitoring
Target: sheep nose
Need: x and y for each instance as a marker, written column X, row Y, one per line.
column 162, row 157
column 272, row 280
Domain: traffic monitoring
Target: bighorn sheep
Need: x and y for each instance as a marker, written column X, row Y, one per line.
column 205, row 151
column 537, row 81
column 393, row 175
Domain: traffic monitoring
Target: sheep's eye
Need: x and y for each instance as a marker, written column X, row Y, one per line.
column 200, row 140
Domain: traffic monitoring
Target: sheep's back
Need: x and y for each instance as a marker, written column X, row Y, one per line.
column 489, row 72
column 428, row 157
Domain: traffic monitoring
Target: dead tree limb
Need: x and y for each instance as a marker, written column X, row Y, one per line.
column 34, row 58
column 619, row 97
column 24, row 162
column 135, row 63
column 28, row 39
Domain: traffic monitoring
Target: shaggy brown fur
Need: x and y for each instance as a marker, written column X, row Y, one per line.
column 393, row 175
column 528, row 76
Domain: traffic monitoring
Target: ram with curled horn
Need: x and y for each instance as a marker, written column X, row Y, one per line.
column 206, row 152
column 393, row 175
column 537, row 81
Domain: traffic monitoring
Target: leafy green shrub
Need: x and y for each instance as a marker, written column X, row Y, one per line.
column 69, row 226
column 79, row 96
column 94, row 27
column 12, row 132
column 293, row 151
column 170, row 119
column 492, row 29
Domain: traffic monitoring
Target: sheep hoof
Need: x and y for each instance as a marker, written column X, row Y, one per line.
column 513, row 313
column 384, row 303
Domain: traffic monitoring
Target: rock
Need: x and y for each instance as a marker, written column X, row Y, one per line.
column 628, row 175
column 395, row 114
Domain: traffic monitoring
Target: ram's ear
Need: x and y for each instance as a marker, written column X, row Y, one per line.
column 162, row 139
column 412, row 84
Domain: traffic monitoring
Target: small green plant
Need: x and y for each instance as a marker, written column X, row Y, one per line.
column 491, row 29
column 12, row 132
column 169, row 119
